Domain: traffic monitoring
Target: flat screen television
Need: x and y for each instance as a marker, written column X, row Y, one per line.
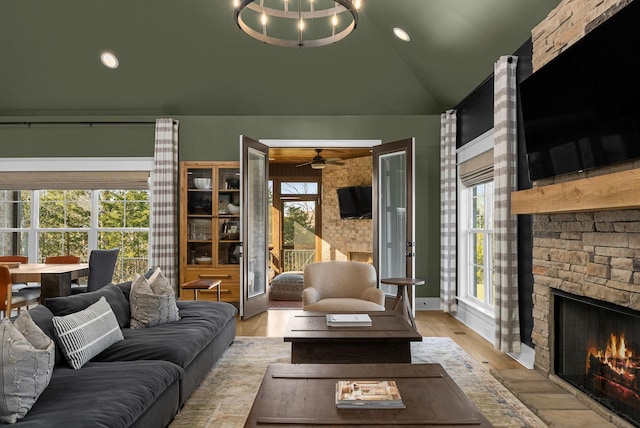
column 354, row 202
column 582, row 109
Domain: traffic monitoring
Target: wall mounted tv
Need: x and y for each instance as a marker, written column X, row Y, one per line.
column 354, row 202
column 582, row 109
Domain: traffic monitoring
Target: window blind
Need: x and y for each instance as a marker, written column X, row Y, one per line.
column 477, row 170
column 74, row 180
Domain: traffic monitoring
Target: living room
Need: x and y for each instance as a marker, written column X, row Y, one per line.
column 112, row 123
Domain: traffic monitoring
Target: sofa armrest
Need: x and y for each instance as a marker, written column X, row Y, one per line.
column 374, row 295
column 310, row 295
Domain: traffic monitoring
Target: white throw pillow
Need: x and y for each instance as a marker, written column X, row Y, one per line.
column 27, row 358
column 153, row 301
column 84, row 334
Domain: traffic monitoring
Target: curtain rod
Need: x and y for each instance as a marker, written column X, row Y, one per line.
column 89, row 123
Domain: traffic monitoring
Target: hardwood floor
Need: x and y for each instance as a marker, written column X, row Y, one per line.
column 430, row 323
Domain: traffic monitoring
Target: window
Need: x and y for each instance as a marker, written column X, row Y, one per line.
column 475, row 225
column 41, row 223
column 477, row 250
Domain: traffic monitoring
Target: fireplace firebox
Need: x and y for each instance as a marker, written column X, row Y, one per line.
column 597, row 350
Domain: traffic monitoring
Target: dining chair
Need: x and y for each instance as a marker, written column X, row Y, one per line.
column 62, row 259
column 9, row 300
column 102, row 264
column 21, row 259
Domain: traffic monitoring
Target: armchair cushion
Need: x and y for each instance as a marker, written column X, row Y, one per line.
column 334, row 285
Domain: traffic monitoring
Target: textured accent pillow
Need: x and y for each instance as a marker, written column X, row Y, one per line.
column 27, row 357
column 83, row 335
column 153, row 301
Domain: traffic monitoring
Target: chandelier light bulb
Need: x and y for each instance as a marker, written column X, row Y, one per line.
column 263, row 19
column 357, row 4
column 334, row 20
column 301, row 25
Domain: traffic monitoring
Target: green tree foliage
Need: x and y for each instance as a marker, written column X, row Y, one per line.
column 298, row 227
column 121, row 215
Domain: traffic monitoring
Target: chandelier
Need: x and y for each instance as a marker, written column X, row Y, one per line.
column 297, row 23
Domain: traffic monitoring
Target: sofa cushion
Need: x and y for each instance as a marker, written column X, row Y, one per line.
column 111, row 394
column 152, row 301
column 84, row 334
column 180, row 341
column 27, row 357
column 61, row 306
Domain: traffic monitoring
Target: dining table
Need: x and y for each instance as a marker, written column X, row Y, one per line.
column 55, row 279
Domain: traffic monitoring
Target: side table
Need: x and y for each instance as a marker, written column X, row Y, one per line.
column 403, row 294
column 202, row 284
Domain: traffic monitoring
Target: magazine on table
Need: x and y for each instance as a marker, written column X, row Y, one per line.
column 370, row 394
column 348, row 320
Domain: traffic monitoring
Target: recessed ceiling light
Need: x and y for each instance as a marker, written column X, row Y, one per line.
column 401, row 34
column 109, row 60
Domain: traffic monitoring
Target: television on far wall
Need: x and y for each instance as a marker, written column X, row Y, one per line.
column 355, row 202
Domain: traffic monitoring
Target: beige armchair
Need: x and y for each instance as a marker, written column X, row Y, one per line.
column 341, row 286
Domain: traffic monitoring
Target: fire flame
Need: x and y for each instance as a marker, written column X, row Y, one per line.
column 616, row 355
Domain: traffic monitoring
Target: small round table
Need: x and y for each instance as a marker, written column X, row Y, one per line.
column 403, row 294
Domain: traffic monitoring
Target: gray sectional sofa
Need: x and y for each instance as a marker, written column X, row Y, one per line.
column 141, row 381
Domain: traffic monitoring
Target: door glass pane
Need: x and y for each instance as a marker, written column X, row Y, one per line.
column 393, row 219
column 298, row 234
column 257, row 217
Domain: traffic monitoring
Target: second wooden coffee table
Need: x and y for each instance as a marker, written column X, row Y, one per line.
column 388, row 340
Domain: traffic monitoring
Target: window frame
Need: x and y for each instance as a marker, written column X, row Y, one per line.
column 465, row 231
column 88, row 165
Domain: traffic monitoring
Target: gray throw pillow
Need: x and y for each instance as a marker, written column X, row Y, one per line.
column 84, row 334
column 153, row 301
column 27, row 358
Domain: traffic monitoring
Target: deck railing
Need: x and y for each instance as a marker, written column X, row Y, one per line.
column 297, row 259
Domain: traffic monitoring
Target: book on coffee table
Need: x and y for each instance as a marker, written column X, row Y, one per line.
column 369, row 394
column 348, row 320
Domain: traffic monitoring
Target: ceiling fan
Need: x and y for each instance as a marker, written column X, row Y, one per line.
column 318, row 162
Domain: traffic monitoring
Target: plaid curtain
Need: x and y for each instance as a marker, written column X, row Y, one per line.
column 448, row 215
column 507, row 317
column 164, row 200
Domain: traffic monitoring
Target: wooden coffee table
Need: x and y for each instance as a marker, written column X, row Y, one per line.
column 388, row 340
column 304, row 395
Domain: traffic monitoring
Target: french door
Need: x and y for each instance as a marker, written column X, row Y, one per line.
column 254, row 234
column 393, row 215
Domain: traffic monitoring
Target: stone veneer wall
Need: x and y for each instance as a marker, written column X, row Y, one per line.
column 567, row 24
column 340, row 237
column 594, row 254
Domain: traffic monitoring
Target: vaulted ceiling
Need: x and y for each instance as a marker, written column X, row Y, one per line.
column 188, row 57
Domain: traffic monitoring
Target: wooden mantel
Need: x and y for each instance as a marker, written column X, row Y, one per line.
column 616, row 191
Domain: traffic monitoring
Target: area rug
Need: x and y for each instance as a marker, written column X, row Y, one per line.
column 225, row 397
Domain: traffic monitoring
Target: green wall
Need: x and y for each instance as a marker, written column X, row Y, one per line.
column 217, row 138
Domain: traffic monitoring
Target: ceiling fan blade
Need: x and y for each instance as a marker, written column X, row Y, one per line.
column 335, row 162
column 303, row 164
